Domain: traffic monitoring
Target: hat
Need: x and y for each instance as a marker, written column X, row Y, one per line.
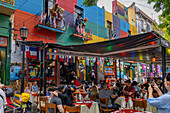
column 128, row 81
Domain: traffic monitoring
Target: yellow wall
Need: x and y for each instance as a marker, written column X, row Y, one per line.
column 121, row 5
column 133, row 30
column 131, row 15
column 108, row 17
column 95, row 39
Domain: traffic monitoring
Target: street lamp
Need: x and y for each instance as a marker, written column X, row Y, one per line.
column 24, row 34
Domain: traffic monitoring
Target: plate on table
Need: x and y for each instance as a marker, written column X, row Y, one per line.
column 79, row 102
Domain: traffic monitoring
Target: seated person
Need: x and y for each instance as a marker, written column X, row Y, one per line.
column 117, row 89
column 106, row 93
column 68, row 94
column 60, row 93
column 86, row 86
column 129, row 90
column 29, row 88
column 56, row 100
column 94, row 94
column 35, row 87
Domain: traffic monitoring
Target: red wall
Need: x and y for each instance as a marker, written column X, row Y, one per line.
column 123, row 34
column 21, row 16
column 67, row 5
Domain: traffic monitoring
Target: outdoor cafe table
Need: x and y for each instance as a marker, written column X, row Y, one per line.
column 84, row 109
column 130, row 111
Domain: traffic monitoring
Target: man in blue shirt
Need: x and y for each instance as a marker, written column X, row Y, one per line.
column 35, row 87
column 163, row 101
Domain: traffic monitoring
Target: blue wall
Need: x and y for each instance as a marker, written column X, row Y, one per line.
column 93, row 13
column 30, row 6
column 124, row 26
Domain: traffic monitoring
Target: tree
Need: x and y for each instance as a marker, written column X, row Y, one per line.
column 89, row 3
column 163, row 5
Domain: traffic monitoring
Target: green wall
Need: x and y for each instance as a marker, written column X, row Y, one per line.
column 66, row 39
column 97, row 30
column 4, row 31
column 4, row 22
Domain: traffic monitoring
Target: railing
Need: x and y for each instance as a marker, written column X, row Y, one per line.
column 12, row 2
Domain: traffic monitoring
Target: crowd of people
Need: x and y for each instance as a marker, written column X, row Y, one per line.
column 152, row 91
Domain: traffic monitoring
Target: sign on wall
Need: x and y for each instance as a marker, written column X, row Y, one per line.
column 3, row 41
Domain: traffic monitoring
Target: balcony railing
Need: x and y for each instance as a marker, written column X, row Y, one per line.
column 12, row 2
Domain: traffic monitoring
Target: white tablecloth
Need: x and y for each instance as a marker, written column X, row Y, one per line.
column 94, row 108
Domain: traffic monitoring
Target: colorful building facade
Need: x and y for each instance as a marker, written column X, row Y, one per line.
column 102, row 23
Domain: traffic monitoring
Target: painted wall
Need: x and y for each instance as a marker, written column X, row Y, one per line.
column 4, row 22
column 94, row 14
column 30, row 6
column 124, row 26
column 95, row 39
column 108, row 17
column 123, row 34
column 66, row 39
column 68, row 5
column 46, row 35
column 131, row 15
column 116, row 26
column 133, row 30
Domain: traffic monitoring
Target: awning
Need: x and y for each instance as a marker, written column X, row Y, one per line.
column 139, row 48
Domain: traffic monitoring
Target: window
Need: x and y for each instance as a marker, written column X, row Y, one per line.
column 108, row 30
column 148, row 27
column 141, row 24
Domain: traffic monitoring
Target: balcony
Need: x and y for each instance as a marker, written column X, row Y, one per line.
column 44, row 24
column 7, row 7
column 87, row 36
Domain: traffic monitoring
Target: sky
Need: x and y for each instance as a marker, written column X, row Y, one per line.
column 144, row 6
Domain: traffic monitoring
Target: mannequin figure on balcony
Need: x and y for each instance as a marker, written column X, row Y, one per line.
column 60, row 19
column 78, row 23
column 83, row 26
column 53, row 14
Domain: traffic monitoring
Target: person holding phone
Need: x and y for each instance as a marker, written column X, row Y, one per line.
column 163, row 101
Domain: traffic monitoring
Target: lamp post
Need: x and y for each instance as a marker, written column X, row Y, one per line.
column 24, row 34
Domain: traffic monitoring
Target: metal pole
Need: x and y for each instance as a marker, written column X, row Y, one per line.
column 120, row 71
column 23, row 66
column 45, row 71
column 116, row 69
column 164, row 66
column 41, row 69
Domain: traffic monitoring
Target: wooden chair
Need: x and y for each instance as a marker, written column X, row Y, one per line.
column 141, row 104
column 76, row 94
column 52, row 106
column 72, row 109
column 104, row 101
column 42, row 99
column 93, row 97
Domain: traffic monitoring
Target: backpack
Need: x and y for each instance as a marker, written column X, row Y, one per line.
column 9, row 92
